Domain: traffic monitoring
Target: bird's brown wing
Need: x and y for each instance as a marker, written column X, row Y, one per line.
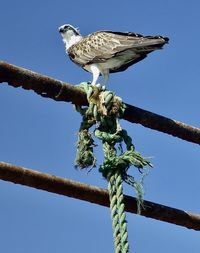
column 103, row 45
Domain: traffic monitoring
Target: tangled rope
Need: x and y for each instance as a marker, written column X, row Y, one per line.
column 104, row 111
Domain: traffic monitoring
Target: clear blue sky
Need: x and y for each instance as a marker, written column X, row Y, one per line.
column 40, row 133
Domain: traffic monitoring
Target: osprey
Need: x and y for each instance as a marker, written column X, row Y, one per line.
column 105, row 52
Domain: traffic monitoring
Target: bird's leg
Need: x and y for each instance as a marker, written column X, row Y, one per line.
column 95, row 72
column 105, row 75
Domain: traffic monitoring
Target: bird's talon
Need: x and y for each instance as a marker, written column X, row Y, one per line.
column 98, row 85
column 103, row 88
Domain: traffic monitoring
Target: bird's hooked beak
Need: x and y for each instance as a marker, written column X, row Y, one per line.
column 61, row 29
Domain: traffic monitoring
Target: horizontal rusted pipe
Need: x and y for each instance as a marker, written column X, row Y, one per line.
column 60, row 91
column 73, row 189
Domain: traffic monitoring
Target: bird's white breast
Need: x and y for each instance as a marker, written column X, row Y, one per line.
column 71, row 40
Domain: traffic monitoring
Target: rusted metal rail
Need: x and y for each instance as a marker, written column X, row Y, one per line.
column 60, row 91
column 73, row 189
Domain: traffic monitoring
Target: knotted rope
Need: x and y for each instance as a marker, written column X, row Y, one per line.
column 104, row 111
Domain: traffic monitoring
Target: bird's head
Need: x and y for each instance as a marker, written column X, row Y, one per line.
column 68, row 30
column 70, row 34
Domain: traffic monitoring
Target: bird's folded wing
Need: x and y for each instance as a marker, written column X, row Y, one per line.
column 103, row 45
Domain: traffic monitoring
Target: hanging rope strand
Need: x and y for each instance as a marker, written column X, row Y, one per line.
column 104, row 111
column 114, row 213
column 121, row 212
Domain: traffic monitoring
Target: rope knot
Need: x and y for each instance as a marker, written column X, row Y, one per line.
column 104, row 111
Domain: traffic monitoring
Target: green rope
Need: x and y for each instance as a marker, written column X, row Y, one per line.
column 114, row 213
column 118, row 215
column 104, row 111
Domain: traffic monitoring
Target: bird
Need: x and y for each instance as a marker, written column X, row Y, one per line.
column 104, row 52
